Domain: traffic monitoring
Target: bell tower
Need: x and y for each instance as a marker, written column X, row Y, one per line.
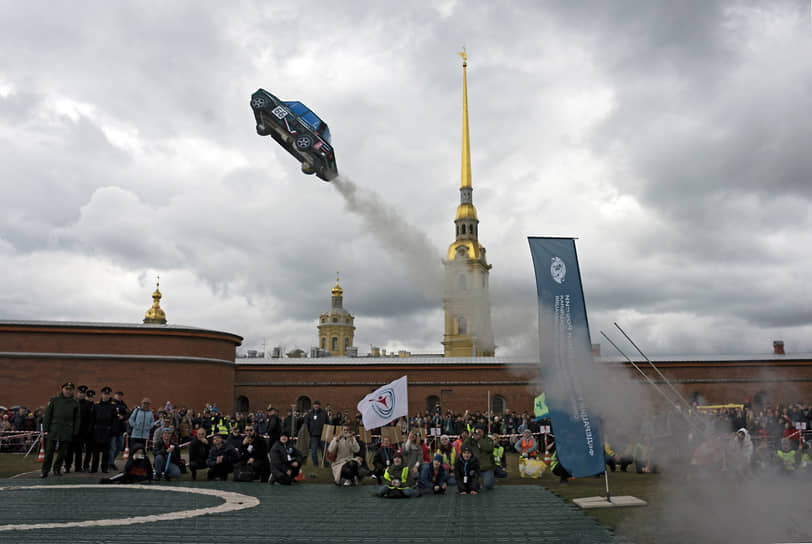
column 336, row 326
column 466, row 303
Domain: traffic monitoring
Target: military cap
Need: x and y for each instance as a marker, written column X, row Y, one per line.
column 90, row 393
column 317, row 402
column 82, row 389
column 119, row 392
column 68, row 384
column 106, row 390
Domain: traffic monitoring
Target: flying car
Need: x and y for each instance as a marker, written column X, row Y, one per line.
column 297, row 129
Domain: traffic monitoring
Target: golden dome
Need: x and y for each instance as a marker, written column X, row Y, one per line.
column 155, row 314
column 337, row 291
column 467, row 248
column 466, row 211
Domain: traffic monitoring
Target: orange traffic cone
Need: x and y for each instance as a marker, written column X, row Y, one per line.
column 299, row 477
column 41, row 456
column 126, row 447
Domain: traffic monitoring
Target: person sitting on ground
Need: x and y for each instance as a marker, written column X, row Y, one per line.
column 221, row 459
column 382, row 458
column 344, row 449
column 198, row 452
column 254, row 453
column 786, row 457
column 234, row 439
column 482, row 448
column 434, row 477
column 397, row 480
column 167, row 457
column 286, row 461
column 740, row 453
column 466, row 472
column 556, row 467
column 527, row 446
column 137, row 469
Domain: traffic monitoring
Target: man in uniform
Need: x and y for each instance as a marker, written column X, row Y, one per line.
column 59, row 422
column 77, row 445
column 87, row 439
column 119, row 427
column 103, row 415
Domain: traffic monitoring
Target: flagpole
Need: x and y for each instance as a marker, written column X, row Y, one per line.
column 606, row 476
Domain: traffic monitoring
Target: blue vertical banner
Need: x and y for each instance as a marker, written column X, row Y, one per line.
column 567, row 369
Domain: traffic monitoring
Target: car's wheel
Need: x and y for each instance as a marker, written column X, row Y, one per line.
column 303, row 141
column 263, row 130
column 259, row 102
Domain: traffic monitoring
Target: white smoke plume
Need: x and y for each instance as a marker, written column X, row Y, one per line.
column 405, row 242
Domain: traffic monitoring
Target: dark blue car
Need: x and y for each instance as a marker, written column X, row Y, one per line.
column 300, row 131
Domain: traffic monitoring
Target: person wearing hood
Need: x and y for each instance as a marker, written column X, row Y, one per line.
column 286, row 461
column 397, row 480
column 740, row 452
column 466, row 472
column 434, row 477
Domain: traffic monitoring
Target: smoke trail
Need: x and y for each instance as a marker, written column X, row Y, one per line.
column 405, row 242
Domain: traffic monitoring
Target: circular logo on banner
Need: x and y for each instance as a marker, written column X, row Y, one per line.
column 558, row 270
column 384, row 405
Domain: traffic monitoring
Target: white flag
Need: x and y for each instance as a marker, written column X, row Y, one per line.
column 385, row 404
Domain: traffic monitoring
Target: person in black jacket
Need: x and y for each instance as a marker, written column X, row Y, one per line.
column 198, row 452
column 80, row 436
column 254, row 453
column 382, row 458
column 221, row 459
column 102, row 417
column 138, row 469
column 118, row 428
column 315, row 421
column 273, row 426
column 286, row 461
column 466, row 471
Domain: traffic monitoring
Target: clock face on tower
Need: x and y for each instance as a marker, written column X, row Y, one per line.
column 462, row 251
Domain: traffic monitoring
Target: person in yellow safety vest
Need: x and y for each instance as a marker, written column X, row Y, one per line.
column 396, row 480
column 220, row 426
column 499, row 463
column 446, row 449
column 787, row 457
column 527, row 447
column 558, row 469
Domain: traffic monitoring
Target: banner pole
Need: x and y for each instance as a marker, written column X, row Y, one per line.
column 606, row 476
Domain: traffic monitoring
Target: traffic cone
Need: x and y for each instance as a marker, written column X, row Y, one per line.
column 41, row 456
column 299, row 477
column 126, row 447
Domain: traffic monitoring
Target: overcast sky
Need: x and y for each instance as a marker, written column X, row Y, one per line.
column 673, row 139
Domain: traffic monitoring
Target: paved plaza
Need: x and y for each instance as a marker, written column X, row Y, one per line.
column 176, row 512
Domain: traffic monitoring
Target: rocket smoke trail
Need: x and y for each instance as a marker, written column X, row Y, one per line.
column 405, row 242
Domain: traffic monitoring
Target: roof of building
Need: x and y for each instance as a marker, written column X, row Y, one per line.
column 109, row 325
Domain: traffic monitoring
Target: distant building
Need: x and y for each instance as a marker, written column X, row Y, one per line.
column 336, row 326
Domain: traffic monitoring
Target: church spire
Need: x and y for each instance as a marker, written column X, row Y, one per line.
column 465, row 170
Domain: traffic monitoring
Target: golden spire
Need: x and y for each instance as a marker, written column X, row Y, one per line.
column 155, row 314
column 337, row 291
column 466, row 140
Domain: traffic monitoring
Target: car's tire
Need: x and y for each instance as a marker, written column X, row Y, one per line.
column 303, row 142
column 263, row 130
column 259, row 102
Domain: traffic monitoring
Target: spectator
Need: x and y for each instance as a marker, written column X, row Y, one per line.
column 499, row 459
column 102, row 418
column 198, row 452
column 787, row 459
column 447, row 451
column 527, row 447
column 466, row 472
column 382, row 458
column 234, row 439
column 463, row 436
column 740, row 453
column 434, row 477
column 557, row 468
column 254, row 453
column 315, row 420
column 273, row 426
column 397, row 479
column 286, row 461
column 482, row 448
column 221, row 459
column 137, row 469
column 167, row 456
column 412, row 453
column 141, row 422
column 118, row 428
column 344, row 448
column 60, row 421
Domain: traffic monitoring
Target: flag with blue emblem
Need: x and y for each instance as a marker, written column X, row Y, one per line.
column 385, row 404
column 565, row 347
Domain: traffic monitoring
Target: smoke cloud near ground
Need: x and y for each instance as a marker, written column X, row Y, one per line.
column 700, row 504
column 403, row 241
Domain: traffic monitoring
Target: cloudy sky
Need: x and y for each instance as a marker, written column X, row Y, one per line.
column 672, row 139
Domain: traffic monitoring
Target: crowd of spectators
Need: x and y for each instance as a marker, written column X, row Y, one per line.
column 465, row 450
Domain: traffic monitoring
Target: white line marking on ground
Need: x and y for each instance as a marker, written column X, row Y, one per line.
column 233, row 501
